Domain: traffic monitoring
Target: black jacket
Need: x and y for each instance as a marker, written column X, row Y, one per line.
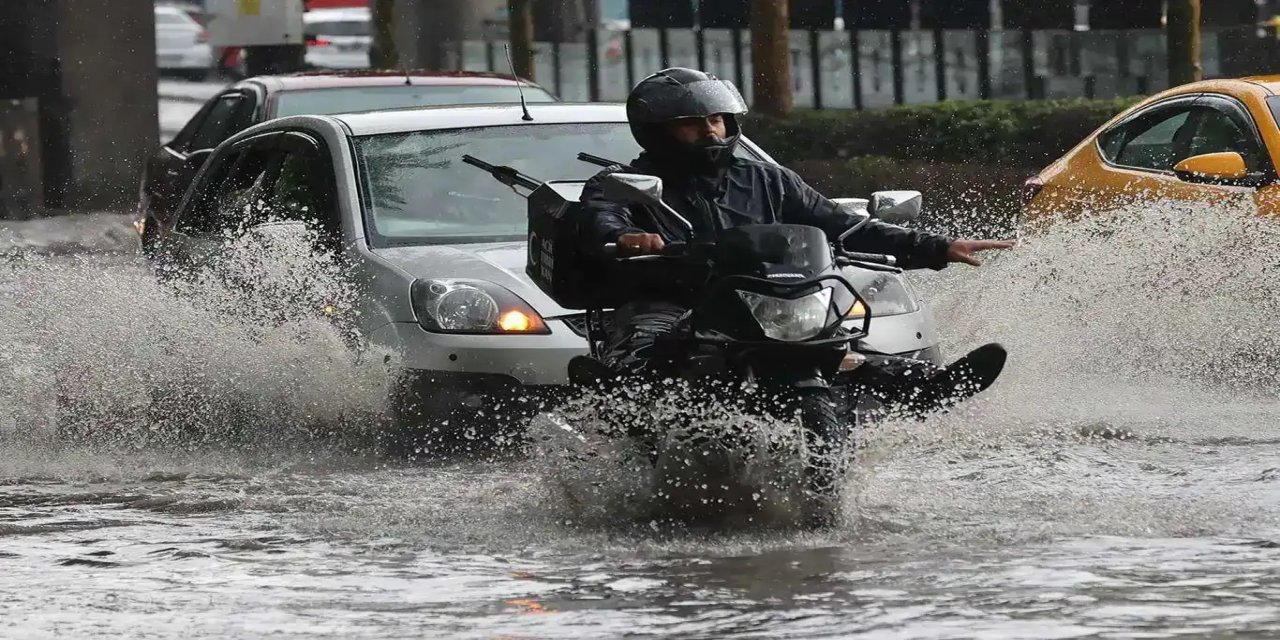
column 749, row 192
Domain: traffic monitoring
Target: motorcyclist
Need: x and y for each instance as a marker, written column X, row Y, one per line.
column 686, row 121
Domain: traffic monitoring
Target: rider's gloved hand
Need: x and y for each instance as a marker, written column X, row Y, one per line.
column 963, row 250
column 639, row 244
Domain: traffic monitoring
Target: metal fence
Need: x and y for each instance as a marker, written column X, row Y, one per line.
column 863, row 69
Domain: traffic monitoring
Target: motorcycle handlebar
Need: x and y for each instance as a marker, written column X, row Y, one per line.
column 677, row 249
column 873, row 258
column 671, row 250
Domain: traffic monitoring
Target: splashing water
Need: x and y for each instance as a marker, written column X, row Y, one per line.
column 106, row 350
column 1140, row 344
column 688, row 455
column 715, row 463
column 1166, row 306
column 1151, row 322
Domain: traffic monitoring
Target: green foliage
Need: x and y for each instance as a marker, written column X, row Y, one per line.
column 1024, row 134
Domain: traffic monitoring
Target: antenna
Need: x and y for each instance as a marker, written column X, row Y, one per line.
column 519, row 85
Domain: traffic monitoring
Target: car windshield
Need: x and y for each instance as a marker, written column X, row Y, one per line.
column 1273, row 102
column 351, row 99
column 417, row 189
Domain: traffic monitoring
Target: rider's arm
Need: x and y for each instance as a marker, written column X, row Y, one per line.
column 802, row 204
column 603, row 220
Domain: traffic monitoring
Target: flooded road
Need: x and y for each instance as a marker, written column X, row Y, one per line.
column 1089, row 540
column 1121, row 481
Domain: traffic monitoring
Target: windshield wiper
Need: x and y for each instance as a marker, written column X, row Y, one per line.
column 601, row 162
column 509, row 176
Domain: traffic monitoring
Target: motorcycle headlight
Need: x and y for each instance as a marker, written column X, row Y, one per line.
column 472, row 306
column 888, row 294
column 789, row 320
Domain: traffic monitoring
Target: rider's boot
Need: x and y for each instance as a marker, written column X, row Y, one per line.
column 920, row 387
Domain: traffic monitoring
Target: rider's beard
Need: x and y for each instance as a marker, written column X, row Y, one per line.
column 705, row 158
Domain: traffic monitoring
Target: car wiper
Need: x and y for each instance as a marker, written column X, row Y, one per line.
column 601, row 162
column 509, row 176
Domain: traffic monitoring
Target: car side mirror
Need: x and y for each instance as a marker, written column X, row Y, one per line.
column 896, row 207
column 1224, row 167
column 195, row 160
column 638, row 188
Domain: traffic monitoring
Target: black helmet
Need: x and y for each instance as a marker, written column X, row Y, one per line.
column 675, row 93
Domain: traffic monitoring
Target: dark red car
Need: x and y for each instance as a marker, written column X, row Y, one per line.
column 170, row 170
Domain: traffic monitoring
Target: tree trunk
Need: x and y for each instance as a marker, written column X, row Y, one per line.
column 383, row 53
column 438, row 26
column 770, row 57
column 561, row 20
column 274, row 59
column 1184, row 41
column 521, row 30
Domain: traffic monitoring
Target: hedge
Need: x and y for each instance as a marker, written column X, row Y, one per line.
column 969, row 158
column 1022, row 134
column 959, row 199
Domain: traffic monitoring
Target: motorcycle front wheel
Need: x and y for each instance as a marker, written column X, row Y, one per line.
column 826, row 435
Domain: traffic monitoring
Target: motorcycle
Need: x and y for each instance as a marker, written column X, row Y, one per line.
column 770, row 332
column 779, row 327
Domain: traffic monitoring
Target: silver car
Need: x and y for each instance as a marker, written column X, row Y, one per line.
column 338, row 38
column 439, row 246
column 181, row 41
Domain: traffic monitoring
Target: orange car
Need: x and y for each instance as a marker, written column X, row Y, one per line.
column 1202, row 142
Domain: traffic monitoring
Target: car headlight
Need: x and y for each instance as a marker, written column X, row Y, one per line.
column 790, row 320
column 472, row 306
column 886, row 293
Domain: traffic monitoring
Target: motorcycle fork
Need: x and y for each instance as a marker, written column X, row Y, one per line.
column 805, row 370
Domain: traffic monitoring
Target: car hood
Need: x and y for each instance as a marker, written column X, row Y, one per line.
column 500, row 263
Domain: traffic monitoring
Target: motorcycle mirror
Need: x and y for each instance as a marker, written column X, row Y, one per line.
column 852, row 206
column 862, row 219
column 896, row 207
column 638, row 188
column 633, row 188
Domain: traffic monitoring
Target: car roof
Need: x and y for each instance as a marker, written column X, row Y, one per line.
column 1270, row 83
column 487, row 115
column 379, row 78
column 1247, row 85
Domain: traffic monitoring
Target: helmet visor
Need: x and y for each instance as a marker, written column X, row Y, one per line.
column 664, row 102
